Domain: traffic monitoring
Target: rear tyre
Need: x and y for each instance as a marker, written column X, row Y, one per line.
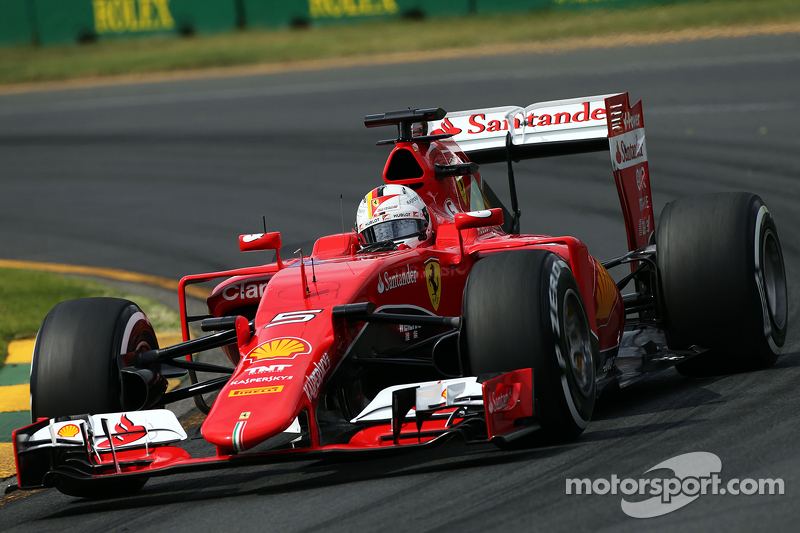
column 75, row 368
column 723, row 282
column 523, row 309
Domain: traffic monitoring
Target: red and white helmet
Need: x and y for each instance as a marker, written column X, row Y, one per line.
column 393, row 212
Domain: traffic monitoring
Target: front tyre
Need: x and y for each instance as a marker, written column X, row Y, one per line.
column 723, row 282
column 523, row 309
column 75, row 368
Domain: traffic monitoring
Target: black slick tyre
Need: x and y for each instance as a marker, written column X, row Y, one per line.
column 723, row 282
column 75, row 368
column 523, row 309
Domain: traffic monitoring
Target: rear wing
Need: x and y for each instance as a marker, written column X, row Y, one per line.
column 565, row 127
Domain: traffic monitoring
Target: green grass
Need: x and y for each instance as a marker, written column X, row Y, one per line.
column 26, row 297
column 158, row 54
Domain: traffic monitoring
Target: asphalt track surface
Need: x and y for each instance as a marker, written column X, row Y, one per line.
column 161, row 179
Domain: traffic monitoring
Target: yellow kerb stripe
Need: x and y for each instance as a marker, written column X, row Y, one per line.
column 108, row 273
column 168, row 339
column 7, row 466
column 15, row 398
column 20, row 352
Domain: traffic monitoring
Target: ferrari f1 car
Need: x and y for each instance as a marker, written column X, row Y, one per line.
column 379, row 343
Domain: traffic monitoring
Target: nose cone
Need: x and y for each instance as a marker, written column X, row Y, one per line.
column 267, row 392
column 248, row 416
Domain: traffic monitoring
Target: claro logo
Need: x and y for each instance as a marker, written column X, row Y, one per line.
column 244, row 291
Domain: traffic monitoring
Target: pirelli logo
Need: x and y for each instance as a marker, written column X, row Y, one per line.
column 256, row 390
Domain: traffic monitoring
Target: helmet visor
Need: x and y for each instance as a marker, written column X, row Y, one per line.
column 393, row 229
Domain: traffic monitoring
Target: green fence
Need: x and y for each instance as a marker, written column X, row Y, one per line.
column 511, row 6
column 522, row 6
column 351, row 10
column 275, row 14
column 16, row 27
column 271, row 14
column 68, row 21
column 60, row 21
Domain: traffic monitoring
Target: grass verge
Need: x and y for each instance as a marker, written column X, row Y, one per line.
column 26, row 297
column 250, row 47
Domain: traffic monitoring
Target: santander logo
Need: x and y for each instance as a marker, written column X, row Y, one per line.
column 399, row 279
column 501, row 397
column 628, row 152
column 126, row 433
column 446, row 127
column 479, row 123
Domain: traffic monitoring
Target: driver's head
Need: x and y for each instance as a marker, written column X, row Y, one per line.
column 393, row 212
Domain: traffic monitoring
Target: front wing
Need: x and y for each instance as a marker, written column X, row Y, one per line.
column 140, row 444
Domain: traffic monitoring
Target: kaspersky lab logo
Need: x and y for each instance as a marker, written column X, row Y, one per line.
column 694, row 474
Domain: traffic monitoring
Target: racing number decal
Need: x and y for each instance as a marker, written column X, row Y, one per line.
column 293, row 317
column 433, row 277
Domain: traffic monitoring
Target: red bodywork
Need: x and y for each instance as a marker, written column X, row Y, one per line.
column 298, row 345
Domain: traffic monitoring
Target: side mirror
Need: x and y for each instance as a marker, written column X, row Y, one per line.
column 258, row 242
column 479, row 219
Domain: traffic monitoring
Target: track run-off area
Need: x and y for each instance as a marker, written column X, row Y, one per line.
column 161, row 178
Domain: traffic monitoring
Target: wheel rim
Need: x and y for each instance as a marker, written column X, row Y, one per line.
column 774, row 280
column 578, row 344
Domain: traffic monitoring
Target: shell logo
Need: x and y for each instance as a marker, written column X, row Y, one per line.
column 70, row 430
column 283, row 348
column 605, row 295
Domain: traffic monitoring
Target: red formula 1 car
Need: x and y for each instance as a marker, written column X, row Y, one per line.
column 434, row 318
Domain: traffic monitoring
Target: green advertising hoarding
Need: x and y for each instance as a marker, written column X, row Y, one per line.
column 323, row 11
column 63, row 21
column 511, row 6
column 69, row 21
column 16, row 28
column 272, row 14
column 526, row 6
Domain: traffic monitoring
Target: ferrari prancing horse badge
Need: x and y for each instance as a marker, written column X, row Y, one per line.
column 433, row 277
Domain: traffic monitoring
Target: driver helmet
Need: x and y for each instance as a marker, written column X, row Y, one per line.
column 393, row 212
